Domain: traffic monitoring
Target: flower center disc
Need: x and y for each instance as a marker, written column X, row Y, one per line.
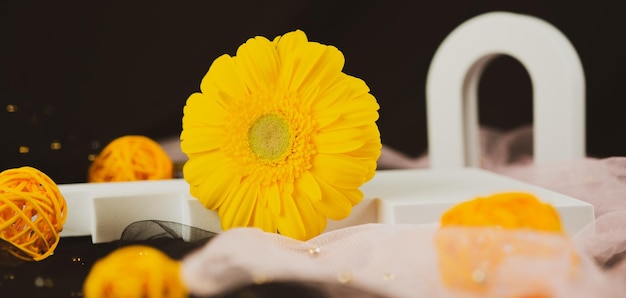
column 269, row 136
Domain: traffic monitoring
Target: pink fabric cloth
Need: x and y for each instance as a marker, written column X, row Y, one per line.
column 391, row 260
column 402, row 260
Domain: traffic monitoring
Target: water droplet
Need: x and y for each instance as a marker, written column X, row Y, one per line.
column 314, row 251
column 388, row 276
column 344, row 277
column 479, row 276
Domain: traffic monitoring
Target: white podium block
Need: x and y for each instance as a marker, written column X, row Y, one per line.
column 422, row 196
column 103, row 210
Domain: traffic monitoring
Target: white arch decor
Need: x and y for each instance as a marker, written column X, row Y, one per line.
column 556, row 75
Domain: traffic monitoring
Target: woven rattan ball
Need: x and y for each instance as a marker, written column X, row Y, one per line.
column 477, row 238
column 135, row 271
column 32, row 213
column 131, row 158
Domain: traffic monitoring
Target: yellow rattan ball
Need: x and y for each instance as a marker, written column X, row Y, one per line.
column 507, row 210
column 131, row 158
column 32, row 213
column 135, row 271
column 479, row 236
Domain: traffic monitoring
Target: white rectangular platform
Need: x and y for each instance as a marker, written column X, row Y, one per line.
column 103, row 210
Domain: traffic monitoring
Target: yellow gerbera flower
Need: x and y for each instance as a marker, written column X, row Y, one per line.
column 279, row 137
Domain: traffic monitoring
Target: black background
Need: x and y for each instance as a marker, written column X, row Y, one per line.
column 82, row 73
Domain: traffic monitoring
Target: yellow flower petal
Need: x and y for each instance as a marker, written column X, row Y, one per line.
column 272, row 195
column 314, row 221
column 354, row 196
column 370, row 148
column 334, row 169
column 345, row 87
column 308, row 188
column 224, row 77
column 326, row 119
column 236, row 210
column 262, row 218
column 334, row 203
column 200, row 139
column 222, row 177
column 205, row 111
column 337, row 135
column 257, row 62
column 363, row 113
column 312, row 65
column 287, row 43
column 289, row 222
column 339, row 147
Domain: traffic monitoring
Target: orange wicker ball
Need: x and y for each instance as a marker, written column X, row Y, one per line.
column 135, row 271
column 479, row 237
column 131, row 158
column 506, row 210
column 32, row 214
